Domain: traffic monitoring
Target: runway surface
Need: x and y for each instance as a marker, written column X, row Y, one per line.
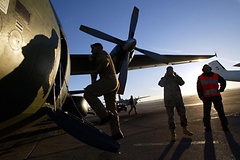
column 146, row 136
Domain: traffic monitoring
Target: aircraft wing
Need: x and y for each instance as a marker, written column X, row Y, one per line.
column 80, row 63
column 141, row 97
column 142, row 61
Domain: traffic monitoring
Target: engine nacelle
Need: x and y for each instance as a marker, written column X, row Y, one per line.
column 76, row 105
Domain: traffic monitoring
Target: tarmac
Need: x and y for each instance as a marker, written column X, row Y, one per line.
column 147, row 136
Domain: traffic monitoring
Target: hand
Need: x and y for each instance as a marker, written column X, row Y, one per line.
column 90, row 58
column 220, row 90
column 202, row 98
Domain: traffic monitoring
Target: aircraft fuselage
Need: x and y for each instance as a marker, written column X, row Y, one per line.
column 31, row 50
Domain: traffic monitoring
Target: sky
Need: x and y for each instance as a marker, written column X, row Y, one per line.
column 164, row 26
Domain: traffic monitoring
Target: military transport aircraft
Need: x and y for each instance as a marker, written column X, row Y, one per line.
column 35, row 66
column 229, row 75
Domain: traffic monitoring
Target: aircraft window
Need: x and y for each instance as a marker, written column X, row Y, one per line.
column 22, row 11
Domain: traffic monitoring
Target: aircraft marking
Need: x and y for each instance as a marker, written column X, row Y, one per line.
column 4, row 6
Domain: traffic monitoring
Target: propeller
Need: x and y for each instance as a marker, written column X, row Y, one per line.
column 123, row 74
column 133, row 23
column 124, row 69
column 101, row 35
column 125, row 47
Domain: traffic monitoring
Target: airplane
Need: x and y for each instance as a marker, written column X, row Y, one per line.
column 123, row 103
column 229, row 75
column 35, row 67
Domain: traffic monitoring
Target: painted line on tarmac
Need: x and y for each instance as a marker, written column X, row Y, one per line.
column 165, row 144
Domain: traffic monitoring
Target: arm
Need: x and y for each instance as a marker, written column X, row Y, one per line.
column 222, row 82
column 199, row 89
column 103, row 62
column 180, row 81
column 162, row 82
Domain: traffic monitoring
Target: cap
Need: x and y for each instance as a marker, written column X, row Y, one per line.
column 97, row 45
column 206, row 66
column 169, row 67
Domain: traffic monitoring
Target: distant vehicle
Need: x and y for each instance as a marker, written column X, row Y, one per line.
column 229, row 75
column 123, row 103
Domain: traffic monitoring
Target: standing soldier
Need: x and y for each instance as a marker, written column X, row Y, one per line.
column 133, row 105
column 107, row 86
column 209, row 92
column 173, row 98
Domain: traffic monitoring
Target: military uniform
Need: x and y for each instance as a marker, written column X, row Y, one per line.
column 107, row 85
column 173, row 98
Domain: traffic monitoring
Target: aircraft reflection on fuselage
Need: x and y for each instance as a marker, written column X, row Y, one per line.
column 20, row 87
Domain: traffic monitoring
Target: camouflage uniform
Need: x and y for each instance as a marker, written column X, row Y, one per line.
column 107, row 86
column 173, row 98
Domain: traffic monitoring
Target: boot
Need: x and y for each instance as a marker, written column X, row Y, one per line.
column 174, row 136
column 118, row 136
column 187, row 132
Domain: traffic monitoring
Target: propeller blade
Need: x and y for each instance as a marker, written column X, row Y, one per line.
column 101, row 35
column 123, row 74
column 133, row 23
column 153, row 55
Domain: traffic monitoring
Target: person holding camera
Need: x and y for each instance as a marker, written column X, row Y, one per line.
column 173, row 98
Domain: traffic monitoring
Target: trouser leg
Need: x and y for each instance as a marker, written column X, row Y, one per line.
column 95, row 104
column 170, row 113
column 184, row 123
column 219, row 108
column 130, row 110
column 135, row 109
column 93, row 91
column 110, row 100
column 207, row 113
column 182, row 114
